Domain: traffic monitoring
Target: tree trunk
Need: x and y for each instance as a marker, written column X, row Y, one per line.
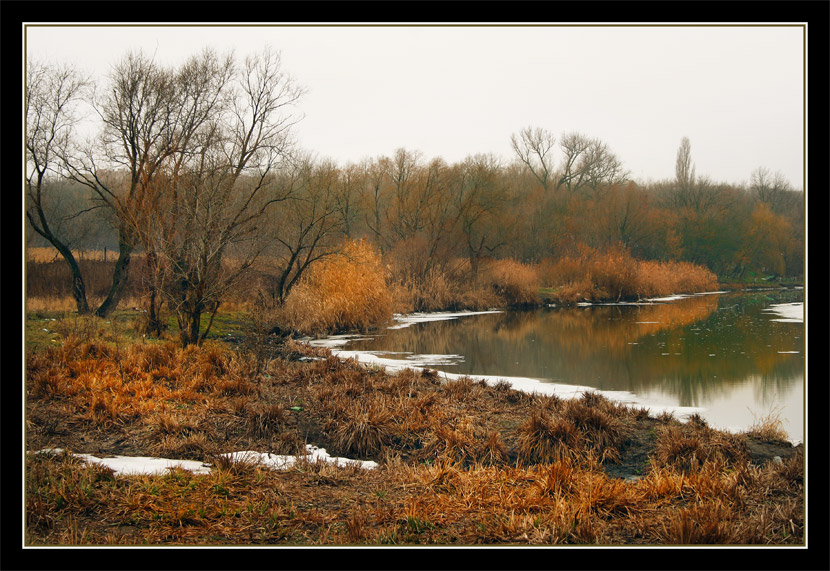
column 213, row 311
column 119, row 278
column 153, row 325
column 189, row 322
column 78, row 285
column 473, row 256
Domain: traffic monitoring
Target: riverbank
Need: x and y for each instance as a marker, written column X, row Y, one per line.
column 458, row 463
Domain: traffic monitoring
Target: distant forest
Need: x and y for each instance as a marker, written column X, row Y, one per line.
column 195, row 169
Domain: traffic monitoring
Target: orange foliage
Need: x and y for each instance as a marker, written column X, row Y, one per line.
column 516, row 283
column 614, row 274
column 343, row 292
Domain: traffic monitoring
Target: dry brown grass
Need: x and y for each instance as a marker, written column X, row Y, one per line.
column 514, row 282
column 769, row 427
column 346, row 291
column 462, row 463
column 614, row 274
column 691, row 446
column 500, row 283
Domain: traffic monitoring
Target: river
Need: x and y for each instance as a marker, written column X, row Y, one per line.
column 733, row 358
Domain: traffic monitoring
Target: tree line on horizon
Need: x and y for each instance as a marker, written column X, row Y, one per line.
column 195, row 168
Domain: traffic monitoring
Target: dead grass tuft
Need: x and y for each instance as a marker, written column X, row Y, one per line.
column 546, row 439
column 689, row 447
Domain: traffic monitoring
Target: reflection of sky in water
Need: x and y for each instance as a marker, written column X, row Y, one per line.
column 738, row 356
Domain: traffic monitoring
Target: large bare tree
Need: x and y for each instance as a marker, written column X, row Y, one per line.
column 137, row 137
column 533, row 147
column 187, row 162
column 308, row 226
column 588, row 163
column 479, row 200
column 52, row 95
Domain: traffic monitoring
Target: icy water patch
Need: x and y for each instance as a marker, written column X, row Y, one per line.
column 730, row 357
column 787, row 312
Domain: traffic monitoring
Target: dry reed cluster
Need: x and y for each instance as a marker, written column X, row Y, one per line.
column 346, row 291
column 500, row 283
column 614, row 275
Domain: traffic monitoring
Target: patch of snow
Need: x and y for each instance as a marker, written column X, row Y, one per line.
column 333, row 341
column 668, row 298
column 409, row 357
column 145, row 465
column 412, row 318
column 787, row 312
column 135, row 465
column 280, row 462
column 524, row 384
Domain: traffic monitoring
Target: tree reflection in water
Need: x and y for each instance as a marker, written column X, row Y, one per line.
column 720, row 350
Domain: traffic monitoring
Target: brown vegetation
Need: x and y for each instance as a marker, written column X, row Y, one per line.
column 593, row 275
column 346, row 291
column 461, row 462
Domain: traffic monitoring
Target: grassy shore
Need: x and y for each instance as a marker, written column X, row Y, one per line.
column 461, row 463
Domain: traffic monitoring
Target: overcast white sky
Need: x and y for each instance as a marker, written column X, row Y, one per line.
column 737, row 92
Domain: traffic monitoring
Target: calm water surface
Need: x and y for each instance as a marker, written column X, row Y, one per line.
column 724, row 353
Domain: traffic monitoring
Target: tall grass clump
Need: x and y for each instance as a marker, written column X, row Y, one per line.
column 614, row 274
column 346, row 291
column 448, row 287
column 515, row 283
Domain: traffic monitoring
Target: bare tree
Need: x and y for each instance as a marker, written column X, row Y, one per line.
column 52, row 94
column 574, row 146
column 186, row 163
column 533, row 147
column 307, row 226
column 405, row 216
column 351, row 180
column 684, row 169
column 479, row 200
column 770, row 188
column 600, row 168
column 374, row 199
column 136, row 110
column 588, row 163
column 224, row 178
column 419, row 214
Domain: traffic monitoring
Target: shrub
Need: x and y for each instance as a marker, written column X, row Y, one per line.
column 345, row 291
column 514, row 282
column 614, row 274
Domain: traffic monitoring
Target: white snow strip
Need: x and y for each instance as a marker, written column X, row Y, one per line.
column 144, row 465
column 279, row 462
column 334, row 340
column 648, row 301
column 788, row 312
column 412, row 318
column 524, row 384
column 134, row 465
column 668, row 298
